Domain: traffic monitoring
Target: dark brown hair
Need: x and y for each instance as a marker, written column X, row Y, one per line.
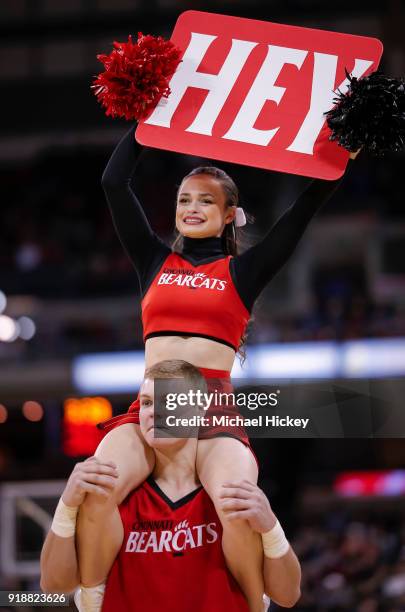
column 233, row 238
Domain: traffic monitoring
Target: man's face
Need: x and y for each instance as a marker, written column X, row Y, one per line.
column 155, row 432
column 146, row 418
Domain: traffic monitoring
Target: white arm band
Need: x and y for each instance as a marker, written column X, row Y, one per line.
column 90, row 599
column 64, row 520
column 275, row 544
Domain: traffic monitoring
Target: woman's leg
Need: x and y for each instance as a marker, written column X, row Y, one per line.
column 135, row 460
column 226, row 459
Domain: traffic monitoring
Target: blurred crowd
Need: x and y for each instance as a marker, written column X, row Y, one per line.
column 341, row 319
column 352, row 565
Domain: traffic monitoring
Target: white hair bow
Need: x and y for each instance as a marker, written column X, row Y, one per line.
column 240, row 218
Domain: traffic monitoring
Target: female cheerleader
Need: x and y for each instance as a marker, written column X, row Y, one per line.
column 199, row 319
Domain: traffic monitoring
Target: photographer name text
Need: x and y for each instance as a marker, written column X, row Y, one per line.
column 236, row 421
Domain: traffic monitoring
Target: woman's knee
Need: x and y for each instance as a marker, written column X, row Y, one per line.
column 122, row 441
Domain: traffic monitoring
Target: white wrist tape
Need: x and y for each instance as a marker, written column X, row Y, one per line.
column 90, row 599
column 64, row 520
column 275, row 544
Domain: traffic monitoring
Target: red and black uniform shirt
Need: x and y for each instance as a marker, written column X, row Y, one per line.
column 171, row 557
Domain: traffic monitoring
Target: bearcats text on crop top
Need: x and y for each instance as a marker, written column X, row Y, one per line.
column 200, row 300
column 202, row 313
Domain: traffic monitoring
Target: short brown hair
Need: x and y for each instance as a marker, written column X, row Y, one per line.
column 178, row 368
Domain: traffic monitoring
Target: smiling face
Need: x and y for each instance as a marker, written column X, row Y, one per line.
column 201, row 210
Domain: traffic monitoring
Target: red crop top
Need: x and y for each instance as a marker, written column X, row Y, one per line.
column 194, row 300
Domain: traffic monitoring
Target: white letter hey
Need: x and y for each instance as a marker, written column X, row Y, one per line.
column 263, row 89
column 219, row 85
column 322, row 95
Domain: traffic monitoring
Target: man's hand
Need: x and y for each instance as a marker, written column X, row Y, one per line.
column 244, row 500
column 282, row 575
column 90, row 476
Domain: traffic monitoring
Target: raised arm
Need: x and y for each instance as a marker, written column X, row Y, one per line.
column 140, row 242
column 254, row 268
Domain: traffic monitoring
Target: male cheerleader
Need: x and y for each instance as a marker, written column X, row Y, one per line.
column 168, row 553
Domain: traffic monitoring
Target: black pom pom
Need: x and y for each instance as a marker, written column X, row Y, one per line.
column 371, row 115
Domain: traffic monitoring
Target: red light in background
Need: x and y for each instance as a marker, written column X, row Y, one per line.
column 3, row 413
column 369, row 483
column 33, row 411
column 80, row 417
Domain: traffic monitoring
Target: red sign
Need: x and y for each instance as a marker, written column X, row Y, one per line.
column 254, row 93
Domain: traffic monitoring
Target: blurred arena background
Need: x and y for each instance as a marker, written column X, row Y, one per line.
column 70, row 330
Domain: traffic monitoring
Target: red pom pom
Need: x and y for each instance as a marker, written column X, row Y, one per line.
column 136, row 76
